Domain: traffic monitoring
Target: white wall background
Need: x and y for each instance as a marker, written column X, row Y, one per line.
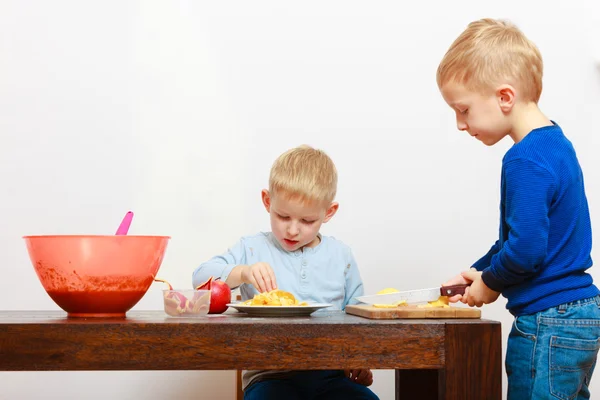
column 177, row 109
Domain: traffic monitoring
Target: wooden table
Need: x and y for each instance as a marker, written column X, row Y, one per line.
column 433, row 359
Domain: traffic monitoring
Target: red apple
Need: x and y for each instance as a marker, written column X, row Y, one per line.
column 220, row 295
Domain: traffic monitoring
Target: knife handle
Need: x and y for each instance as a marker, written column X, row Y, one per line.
column 453, row 290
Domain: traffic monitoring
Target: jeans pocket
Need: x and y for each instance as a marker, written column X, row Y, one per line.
column 521, row 325
column 571, row 361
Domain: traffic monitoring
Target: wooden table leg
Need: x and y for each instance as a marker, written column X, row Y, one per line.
column 473, row 355
column 473, row 362
column 422, row 384
column 239, row 393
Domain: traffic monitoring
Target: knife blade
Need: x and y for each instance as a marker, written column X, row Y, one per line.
column 414, row 296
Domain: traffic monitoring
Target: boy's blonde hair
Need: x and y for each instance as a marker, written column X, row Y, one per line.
column 304, row 173
column 492, row 52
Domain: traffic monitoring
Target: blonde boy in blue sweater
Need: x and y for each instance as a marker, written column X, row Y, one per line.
column 491, row 77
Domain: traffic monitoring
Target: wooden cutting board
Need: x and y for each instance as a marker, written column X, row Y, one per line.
column 407, row 312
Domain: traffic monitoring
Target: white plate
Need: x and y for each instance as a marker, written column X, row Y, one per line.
column 279, row 311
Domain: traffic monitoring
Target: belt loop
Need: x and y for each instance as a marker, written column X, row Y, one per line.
column 562, row 308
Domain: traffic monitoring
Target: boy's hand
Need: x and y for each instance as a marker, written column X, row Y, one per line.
column 361, row 376
column 261, row 276
column 459, row 280
column 478, row 294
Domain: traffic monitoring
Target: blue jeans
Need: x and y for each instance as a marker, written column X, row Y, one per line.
column 552, row 354
column 314, row 385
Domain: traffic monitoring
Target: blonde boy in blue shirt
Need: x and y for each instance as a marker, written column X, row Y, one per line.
column 296, row 258
column 492, row 78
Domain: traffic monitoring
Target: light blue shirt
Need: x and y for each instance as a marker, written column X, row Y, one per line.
column 326, row 273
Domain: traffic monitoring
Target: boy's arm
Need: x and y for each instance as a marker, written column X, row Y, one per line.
column 486, row 260
column 528, row 194
column 354, row 284
column 222, row 266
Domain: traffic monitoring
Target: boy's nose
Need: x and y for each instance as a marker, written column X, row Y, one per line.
column 293, row 229
column 461, row 125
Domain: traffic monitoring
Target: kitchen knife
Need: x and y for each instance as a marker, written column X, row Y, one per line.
column 414, row 296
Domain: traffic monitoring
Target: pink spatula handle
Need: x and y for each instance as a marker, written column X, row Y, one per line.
column 124, row 227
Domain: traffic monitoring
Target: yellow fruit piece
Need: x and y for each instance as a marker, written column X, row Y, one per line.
column 283, row 295
column 441, row 302
column 274, row 298
column 385, row 305
column 388, row 290
column 401, row 303
column 390, row 305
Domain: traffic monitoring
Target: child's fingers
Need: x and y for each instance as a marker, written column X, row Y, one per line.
column 369, row 379
column 363, row 377
column 457, row 280
column 260, row 282
column 363, row 374
column 470, row 275
column 453, row 281
column 465, row 297
column 460, row 297
column 270, row 279
column 474, row 303
column 268, row 284
column 455, row 298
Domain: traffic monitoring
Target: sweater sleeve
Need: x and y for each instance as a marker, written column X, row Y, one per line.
column 220, row 266
column 528, row 192
column 354, row 283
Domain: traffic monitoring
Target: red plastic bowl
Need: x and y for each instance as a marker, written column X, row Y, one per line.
column 96, row 276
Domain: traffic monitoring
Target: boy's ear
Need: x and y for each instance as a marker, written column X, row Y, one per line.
column 266, row 199
column 506, row 96
column 331, row 210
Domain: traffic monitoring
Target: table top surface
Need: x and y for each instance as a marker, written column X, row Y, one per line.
column 234, row 318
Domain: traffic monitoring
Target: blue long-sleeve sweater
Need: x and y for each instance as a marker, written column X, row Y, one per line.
column 545, row 238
